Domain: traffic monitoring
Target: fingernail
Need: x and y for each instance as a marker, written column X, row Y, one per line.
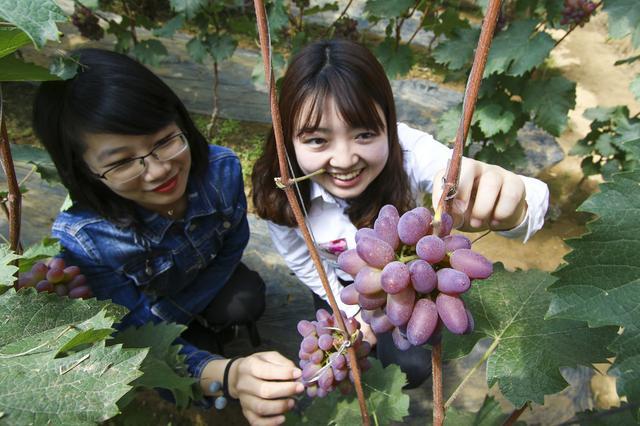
column 291, row 404
column 297, row 373
column 299, row 387
column 475, row 223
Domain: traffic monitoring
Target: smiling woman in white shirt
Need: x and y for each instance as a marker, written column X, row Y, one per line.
column 338, row 114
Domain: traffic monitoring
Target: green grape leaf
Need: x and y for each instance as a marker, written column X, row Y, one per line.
column 603, row 145
column 189, row 8
column 383, row 392
column 327, row 7
column 549, row 101
column 11, row 39
column 197, row 49
column 39, row 158
column 509, row 308
column 45, row 249
column 457, row 52
column 589, row 168
column 600, row 282
column 37, row 18
column 624, row 19
column 80, row 388
column 278, row 17
column 7, row 270
column 13, row 69
column 448, row 124
column 508, row 156
column 635, row 87
column 489, row 414
column 163, row 367
column 150, row 51
column 64, row 67
column 614, row 417
column 445, row 23
column 515, row 51
column 493, row 118
column 387, row 9
column 170, row 27
column 221, row 47
column 395, row 62
column 627, row 375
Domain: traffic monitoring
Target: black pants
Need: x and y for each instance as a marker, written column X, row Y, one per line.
column 414, row 362
column 240, row 302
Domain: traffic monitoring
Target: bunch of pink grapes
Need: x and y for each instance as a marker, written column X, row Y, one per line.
column 409, row 280
column 57, row 278
column 577, row 12
column 323, row 353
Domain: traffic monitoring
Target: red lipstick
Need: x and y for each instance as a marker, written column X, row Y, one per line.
column 168, row 186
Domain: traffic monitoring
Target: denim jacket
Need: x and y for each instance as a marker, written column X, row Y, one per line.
column 169, row 270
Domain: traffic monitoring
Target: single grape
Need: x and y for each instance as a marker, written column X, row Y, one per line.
column 61, row 290
column 455, row 242
column 425, row 214
column 423, row 322
column 312, row 391
column 77, row 281
column 44, row 285
column 399, row 340
column 350, row 262
column 475, row 265
column 380, row 322
column 446, row 224
column 338, row 361
column 375, row 252
column 368, row 281
column 452, row 312
column 80, row 292
column 57, row 263
column 472, row 324
column 55, row 275
column 321, row 393
column 344, row 386
column 325, row 342
column 25, row 280
column 411, row 228
column 363, row 350
column 430, row 248
column 305, row 328
column 340, row 374
column 39, row 271
column 351, row 324
column 324, row 317
column 389, row 211
column 304, row 356
column 349, row 295
column 365, row 232
column 451, row 281
column 395, row 277
column 423, row 277
column 309, row 343
column 387, row 230
column 399, row 306
column 309, row 371
column 372, row 301
column 317, row 356
column 70, row 272
column 326, row 379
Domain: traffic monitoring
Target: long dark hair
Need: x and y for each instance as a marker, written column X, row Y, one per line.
column 349, row 74
column 113, row 94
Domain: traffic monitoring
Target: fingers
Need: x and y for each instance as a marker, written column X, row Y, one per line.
column 270, row 366
column 255, row 387
column 487, row 193
column 256, row 420
column 511, row 207
column 266, row 407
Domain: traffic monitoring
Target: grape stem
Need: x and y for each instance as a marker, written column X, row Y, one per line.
column 466, row 378
column 407, row 259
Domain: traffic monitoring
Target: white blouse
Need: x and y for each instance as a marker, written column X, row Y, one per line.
column 331, row 227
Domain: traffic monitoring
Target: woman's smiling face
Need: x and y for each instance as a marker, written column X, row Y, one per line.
column 160, row 186
column 352, row 157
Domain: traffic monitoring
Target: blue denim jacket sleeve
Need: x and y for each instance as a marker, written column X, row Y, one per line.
column 127, row 294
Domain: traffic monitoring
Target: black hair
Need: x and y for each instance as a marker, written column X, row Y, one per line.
column 111, row 94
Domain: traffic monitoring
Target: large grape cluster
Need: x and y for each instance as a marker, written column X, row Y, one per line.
column 323, row 353
column 87, row 23
column 577, row 12
column 408, row 280
column 56, row 278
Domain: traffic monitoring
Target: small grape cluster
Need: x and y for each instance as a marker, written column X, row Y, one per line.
column 577, row 12
column 56, row 278
column 87, row 23
column 347, row 28
column 408, row 280
column 323, row 353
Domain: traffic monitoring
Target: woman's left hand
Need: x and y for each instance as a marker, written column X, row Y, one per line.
column 488, row 197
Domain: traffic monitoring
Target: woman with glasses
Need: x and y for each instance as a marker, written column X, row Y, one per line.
column 158, row 222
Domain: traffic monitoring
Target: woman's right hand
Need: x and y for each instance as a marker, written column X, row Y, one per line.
column 264, row 383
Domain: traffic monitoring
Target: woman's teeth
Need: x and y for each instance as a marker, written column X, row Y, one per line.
column 346, row 176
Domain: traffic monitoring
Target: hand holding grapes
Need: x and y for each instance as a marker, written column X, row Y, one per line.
column 264, row 383
column 488, row 197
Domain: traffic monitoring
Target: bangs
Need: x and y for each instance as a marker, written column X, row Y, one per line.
column 356, row 105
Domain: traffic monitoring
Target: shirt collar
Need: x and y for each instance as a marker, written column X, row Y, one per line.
column 318, row 191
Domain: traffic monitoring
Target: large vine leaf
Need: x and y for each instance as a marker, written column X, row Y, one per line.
column 614, row 417
column 494, row 118
column 527, row 351
column 37, row 18
column 150, row 51
column 386, row 9
column 624, row 19
column 489, row 414
column 457, row 52
column 46, row 378
column 7, row 269
column 163, row 367
column 515, row 51
column 601, row 281
column 550, row 101
column 189, row 8
column 383, row 392
column 11, row 39
column 13, row 69
column 396, row 61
